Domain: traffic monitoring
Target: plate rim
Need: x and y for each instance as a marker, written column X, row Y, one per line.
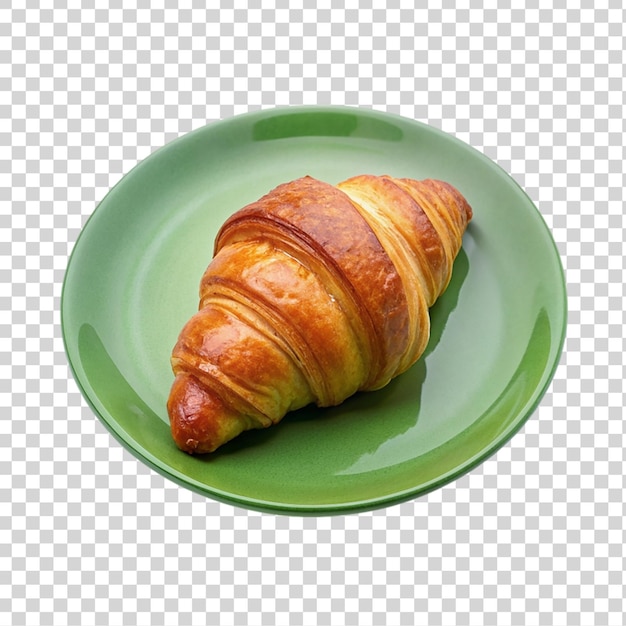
column 356, row 506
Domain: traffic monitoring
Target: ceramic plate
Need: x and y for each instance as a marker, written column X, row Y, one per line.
column 497, row 332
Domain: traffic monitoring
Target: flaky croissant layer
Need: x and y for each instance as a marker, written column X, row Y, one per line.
column 314, row 292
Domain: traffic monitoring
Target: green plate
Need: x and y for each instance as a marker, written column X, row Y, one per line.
column 497, row 332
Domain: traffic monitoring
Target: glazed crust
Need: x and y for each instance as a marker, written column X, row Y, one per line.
column 315, row 292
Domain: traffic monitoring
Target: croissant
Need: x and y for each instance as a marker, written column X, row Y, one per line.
column 314, row 292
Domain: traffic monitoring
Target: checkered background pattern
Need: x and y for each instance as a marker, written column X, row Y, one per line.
column 89, row 535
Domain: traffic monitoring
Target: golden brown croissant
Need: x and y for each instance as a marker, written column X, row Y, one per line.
column 315, row 292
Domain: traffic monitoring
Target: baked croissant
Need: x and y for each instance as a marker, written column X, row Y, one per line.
column 314, row 292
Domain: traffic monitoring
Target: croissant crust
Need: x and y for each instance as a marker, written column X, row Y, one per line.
column 314, row 292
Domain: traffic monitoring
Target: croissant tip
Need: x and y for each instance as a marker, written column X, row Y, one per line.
column 200, row 420
column 188, row 406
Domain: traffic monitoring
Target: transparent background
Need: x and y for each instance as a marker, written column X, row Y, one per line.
column 89, row 535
